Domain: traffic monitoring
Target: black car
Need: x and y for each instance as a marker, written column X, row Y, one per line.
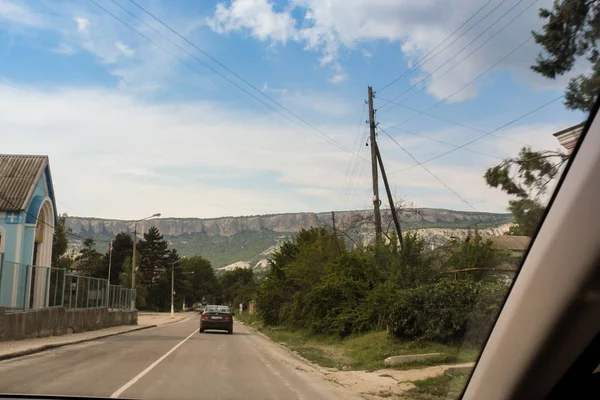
column 217, row 318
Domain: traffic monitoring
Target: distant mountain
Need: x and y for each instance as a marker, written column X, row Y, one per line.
column 249, row 239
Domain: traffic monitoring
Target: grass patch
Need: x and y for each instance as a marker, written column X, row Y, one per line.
column 364, row 352
column 443, row 387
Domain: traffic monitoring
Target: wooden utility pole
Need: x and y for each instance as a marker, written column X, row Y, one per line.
column 377, row 212
column 337, row 243
column 389, row 196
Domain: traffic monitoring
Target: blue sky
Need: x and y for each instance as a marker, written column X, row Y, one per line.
column 136, row 121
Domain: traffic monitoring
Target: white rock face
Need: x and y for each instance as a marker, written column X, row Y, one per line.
column 235, row 265
column 262, row 264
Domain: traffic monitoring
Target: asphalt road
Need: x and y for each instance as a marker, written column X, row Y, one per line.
column 171, row 362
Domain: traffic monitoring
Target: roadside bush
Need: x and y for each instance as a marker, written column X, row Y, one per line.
column 446, row 312
column 334, row 306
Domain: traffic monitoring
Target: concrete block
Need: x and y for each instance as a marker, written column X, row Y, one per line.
column 397, row 360
column 453, row 371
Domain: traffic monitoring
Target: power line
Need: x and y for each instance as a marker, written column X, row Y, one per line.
column 451, row 122
column 441, row 141
column 420, row 62
column 457, row 64
column 351, row 164
column 482, row 136
column 262, row 93
column 429, row 171
column 40, row 220
column 327, row 137
column 472, row 80
column 461, row 50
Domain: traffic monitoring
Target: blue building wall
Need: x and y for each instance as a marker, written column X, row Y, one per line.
column 19, row 228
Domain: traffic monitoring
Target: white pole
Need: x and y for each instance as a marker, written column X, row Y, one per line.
column 172, row 288
column 109, row 265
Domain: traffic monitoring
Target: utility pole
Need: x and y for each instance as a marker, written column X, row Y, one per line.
column 377, row 212
column 333, row 221
column 337, row 243
column 390, row 199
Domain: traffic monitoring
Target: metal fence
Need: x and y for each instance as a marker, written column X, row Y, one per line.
column 120, row 298
column 34, row 287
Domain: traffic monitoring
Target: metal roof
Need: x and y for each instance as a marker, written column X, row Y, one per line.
column 18, row 174
column 575, row 128
column 517, row 243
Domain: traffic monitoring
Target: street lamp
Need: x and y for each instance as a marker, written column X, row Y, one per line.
column 173, row 285
column 133, row 255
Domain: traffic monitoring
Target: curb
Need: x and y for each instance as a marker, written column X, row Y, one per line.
column 56, row 345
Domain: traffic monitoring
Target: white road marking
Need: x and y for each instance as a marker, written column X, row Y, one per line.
column 144, row 372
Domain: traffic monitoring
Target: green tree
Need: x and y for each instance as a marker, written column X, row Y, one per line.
column 274, row 290
column 60, row 242
column 570, row 33
column 474, row 253
column 237, row 286
column 156, row 261
column 125, row 282
column 90, row 262
column 202, row 283
column 122, row 248
column 155, row 255
column 526, row 178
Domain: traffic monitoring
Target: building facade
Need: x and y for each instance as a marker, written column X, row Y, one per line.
column 568, row 137
column 27, row 218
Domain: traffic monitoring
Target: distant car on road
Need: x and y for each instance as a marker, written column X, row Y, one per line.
column 217, row 318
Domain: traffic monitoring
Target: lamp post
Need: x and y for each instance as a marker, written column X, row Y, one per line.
column 173, row 285
column 133, row 255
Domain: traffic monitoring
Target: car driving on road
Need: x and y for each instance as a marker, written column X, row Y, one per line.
column 217, row 318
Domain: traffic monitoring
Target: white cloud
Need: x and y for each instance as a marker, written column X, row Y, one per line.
column 338, row 78
column 20, row 14
column 124, row 49
column 257, row 16
column 113, row 156
column 64, row 48
column 266, row 88
column 418, row 26
column 83, row 24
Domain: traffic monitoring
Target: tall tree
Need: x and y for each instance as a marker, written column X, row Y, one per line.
column 238, row 286
column 526, row 178
column 90, row 262
column 571, row 32
column 155, row 255
column 122, row 247
column 200, row 278
column 60, row 242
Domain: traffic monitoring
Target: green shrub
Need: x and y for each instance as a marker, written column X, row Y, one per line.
column 446, row 312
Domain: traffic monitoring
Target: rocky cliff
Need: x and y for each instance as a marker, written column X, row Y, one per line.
column 288, row 223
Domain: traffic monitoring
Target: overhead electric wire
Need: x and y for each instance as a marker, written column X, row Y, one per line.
column 412, row 86
column 441, row 141
column 420, row 62
column 450, row 69
column 327, row 137
column 44, row 222
column 262, row 93
column 450, row 122
column 471, row 81
column 482, row 136
column 358, row 171
column 350, row 168
column 429, row 171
